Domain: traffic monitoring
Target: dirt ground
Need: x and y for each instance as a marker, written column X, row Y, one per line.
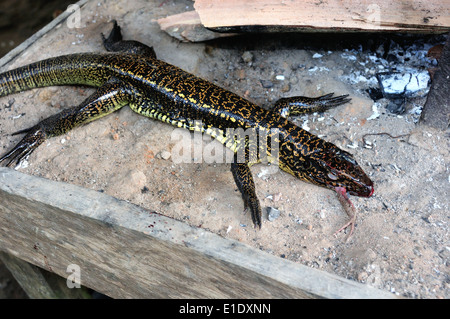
column 401, row 239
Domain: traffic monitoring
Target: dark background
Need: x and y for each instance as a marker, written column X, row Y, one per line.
column 19, row 19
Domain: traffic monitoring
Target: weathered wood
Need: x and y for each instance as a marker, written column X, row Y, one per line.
column 28, row 276
column 38, row 283
column 187, row 26
column 125, row 251
column 436, row 111
column 336, row 15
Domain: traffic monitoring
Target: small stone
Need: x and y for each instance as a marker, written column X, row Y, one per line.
column 362, row 276
column 240, row 74
column 10, row 103
column 272, row 213
column 247, row 57
column 417, row 252
column 396, row 106
column 266, row 84
column 285, row 88
column 165, row 155
column 276, row 197
column 375, row 93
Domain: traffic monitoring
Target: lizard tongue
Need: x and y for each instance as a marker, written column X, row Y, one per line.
column 349, row 209
column 343, row 197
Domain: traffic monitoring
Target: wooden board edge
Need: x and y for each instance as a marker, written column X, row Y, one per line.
column 95, row 221
column 348, row 16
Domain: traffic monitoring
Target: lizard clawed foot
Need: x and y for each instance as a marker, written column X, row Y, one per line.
column 35, row 136
column 328, row 100
column 256, row 215
column 255, row 212
column 244, row 181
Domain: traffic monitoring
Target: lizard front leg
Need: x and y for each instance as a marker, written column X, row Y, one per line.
column 244, row 181
column 108, row 98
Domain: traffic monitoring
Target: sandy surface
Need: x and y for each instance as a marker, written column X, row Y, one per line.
column 401, row 240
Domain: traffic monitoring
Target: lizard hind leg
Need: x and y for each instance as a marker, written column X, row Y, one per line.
column 114, row 43
column 108, row 98
column 35, row 137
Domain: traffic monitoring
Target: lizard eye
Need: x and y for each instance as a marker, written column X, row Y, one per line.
column 332, row 176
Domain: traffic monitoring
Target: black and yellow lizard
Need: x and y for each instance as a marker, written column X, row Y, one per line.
column 132, row 75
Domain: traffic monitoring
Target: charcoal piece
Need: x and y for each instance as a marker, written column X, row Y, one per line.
column 396, row 106
column 375, row 93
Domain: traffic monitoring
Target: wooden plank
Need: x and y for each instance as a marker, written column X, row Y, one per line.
column 38, row 283
column 334, row 15
column 28, row 276
column 125, row 251
column 187, row 26
column 436, row 111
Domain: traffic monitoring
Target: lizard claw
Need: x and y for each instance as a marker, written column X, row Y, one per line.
column 256, row 213
column 329, row 101
column 35, row 137
column 244, row 181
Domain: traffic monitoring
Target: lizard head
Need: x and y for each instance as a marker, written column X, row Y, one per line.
column 331, row 167
column 334, row 167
